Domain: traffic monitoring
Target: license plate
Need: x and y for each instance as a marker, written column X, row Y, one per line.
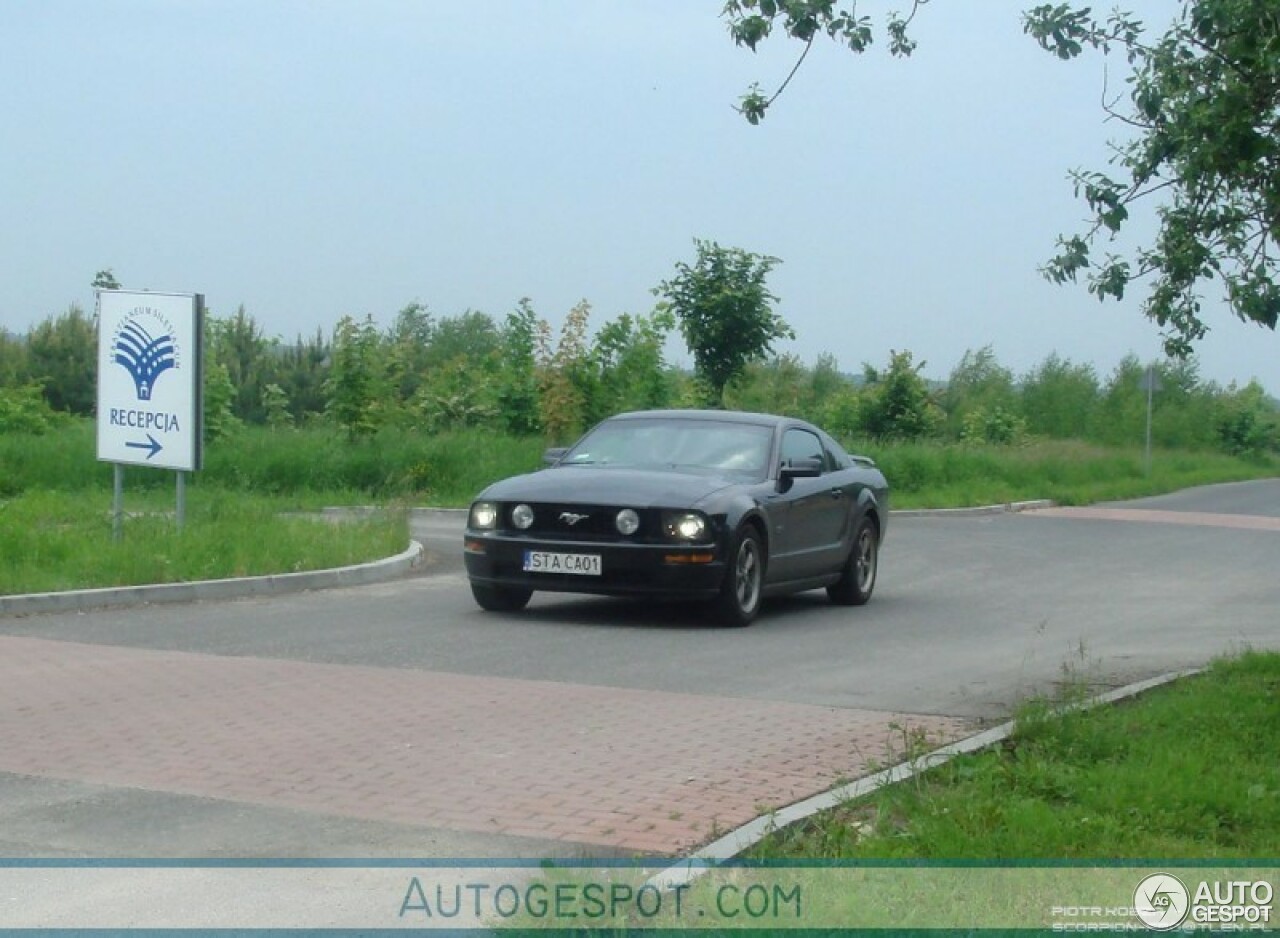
column 543, row 561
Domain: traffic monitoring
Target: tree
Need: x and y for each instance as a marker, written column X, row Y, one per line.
column 355, row 377
column 62, row 354
column 1059, row 398
column 751, row 21
column 725, row 313
column 105, row 280
column 632, row 374
column 565, row 376
column 517, row 380
column 896, row 404
column 980, row 385
column 303, row 369
column 1204, row 108
column 240, row 346
column 1204, row 101
column 408, row 350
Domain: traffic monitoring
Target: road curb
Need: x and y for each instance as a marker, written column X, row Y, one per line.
column 1005, row 508
column 360, row 574
column 748, row 835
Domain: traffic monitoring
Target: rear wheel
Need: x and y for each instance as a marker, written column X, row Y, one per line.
column 501, row 598
column 739, row 599
column 858, row 579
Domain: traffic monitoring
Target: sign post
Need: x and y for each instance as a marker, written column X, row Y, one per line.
column 150, row 385
column 1150, row 383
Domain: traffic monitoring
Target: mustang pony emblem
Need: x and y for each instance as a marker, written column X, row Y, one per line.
column 570, row 518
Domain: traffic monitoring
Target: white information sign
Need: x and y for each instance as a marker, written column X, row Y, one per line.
column 149, row 378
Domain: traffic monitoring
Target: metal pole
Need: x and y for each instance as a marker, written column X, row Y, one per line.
column 181, row 513
column 117, row 501
column 1151, row 390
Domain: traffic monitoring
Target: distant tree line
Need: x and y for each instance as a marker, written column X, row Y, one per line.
column 517, row 375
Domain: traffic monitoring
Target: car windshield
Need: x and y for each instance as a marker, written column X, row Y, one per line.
column 722, row 447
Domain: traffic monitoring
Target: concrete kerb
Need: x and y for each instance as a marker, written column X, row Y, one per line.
column 356, row 575
column 360, row 574
column 748, row 835
column 969, row 512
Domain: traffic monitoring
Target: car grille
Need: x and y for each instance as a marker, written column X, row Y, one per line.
column 582, row 522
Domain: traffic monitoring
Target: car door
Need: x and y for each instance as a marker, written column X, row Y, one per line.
column 814, row 513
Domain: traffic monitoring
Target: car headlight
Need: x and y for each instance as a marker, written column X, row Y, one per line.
column 684, row 525
column 522, row 517
column 484, row 515
column 628, row 522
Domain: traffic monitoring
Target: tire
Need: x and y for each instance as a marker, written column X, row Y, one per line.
column 858, row 578
column 501, row 598
column 739, row 599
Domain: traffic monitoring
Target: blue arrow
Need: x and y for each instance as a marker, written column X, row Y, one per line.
column 153, row 446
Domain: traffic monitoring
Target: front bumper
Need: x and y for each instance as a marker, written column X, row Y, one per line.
column 659, row 570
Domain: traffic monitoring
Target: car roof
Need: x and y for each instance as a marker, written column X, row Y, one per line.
column 722, row 416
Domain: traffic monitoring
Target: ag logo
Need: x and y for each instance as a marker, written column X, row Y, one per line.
column 144, row 356
column 1161, row 902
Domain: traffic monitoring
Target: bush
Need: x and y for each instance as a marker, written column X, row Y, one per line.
column 24, row 410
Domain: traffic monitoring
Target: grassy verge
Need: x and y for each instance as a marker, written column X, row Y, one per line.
column 57, row 540
column 448, row 469
column 930, row 475
column 1187, row 771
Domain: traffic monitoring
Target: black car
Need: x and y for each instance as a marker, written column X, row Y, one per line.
column 719, row 506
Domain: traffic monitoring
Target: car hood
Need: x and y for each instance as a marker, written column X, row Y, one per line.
column 604, row 485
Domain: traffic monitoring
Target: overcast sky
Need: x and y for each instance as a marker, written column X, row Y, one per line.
column 315, row 158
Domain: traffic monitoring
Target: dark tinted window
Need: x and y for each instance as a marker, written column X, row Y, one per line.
column 801, row 444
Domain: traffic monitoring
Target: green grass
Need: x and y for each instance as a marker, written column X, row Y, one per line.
column 440, row 469
column 57, row 540
column 1187, row 771
column 934, row 475
column 448, row 469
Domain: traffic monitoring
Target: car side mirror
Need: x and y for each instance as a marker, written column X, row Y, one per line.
column 552, row 455
column 794, row 469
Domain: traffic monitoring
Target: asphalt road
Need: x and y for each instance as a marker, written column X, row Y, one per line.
column 971, row 615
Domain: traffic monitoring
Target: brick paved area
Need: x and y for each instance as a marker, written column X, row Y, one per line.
column 642, row 771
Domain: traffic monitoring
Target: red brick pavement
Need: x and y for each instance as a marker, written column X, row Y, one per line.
column 643, row 771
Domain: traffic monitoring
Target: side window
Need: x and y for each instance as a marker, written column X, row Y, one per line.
column 801, row 444
column 836, row 457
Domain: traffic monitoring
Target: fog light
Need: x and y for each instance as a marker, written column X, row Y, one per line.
column 522, row 517
column 628, row 521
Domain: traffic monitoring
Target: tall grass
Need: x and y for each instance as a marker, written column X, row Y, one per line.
column 447, row 469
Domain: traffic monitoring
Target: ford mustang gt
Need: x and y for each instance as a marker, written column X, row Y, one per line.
column 715, row 506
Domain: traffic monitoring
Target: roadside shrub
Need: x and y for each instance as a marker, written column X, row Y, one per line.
column 24, row 410
column 996, row 426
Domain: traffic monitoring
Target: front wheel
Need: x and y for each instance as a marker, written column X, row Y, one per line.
column 739, row 599
column 858, row 578
column 501, row 598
